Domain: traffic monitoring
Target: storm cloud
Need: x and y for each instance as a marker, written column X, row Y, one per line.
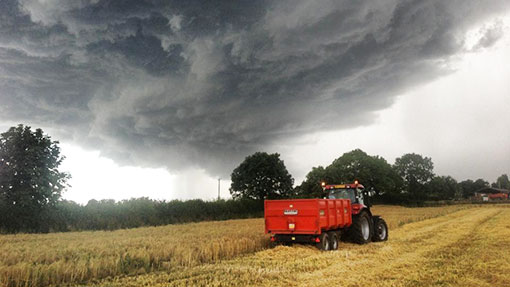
column 204, row 83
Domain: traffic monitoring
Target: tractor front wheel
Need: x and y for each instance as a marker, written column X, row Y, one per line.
column 380, row 230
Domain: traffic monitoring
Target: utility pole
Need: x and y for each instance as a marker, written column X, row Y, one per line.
column 219, row 179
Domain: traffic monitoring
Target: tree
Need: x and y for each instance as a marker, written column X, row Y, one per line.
column 466, row 188
column 371, row 171
column 502, row 182
column 416, row 171
column 469, row 187
column 311, row 186
column 30, row 182
column 261, row 176
column 442, row 188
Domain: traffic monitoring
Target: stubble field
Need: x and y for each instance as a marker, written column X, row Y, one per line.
column 438, row 246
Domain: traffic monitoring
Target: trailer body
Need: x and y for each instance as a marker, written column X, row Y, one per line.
column 306, row 216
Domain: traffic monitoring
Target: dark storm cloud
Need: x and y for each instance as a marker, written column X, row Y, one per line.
column 203, row 83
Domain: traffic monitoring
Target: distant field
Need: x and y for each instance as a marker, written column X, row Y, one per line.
column 450, row 248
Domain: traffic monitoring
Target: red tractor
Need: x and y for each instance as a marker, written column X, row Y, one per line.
column 344, row 214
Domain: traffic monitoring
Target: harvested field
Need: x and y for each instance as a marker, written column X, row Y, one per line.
column 465, row 248
column 455, row 245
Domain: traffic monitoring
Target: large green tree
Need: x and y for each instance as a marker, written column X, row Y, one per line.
column 261, row 176
column 372, row 171
column 416, row 171
column 30, row 182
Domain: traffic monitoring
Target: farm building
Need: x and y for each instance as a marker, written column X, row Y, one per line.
column 491, row 193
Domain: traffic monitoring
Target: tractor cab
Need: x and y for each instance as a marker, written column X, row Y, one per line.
column 353, row 191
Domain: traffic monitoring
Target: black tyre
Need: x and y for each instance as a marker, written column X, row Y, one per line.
column 380, row 230
column 324, row 242
column 361, row 230
column 333, row 240
column 344, row 235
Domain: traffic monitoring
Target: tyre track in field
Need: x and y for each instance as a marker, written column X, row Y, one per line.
column 399, row 261
column 464, row 263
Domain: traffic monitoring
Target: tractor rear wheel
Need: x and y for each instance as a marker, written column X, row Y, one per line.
column 361, row 230
column 333, row 240
column 380, row 230
column 324, row 242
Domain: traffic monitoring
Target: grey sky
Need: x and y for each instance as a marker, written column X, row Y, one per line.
column 202, row 84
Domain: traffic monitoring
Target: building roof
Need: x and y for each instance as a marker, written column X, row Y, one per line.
column 493, row 190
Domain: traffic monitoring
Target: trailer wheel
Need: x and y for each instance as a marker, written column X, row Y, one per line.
column 361, row 230
column 333, row 240
column 324, row 242
column 380, row 230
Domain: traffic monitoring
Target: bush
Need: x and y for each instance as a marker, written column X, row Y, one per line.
column 110, row 215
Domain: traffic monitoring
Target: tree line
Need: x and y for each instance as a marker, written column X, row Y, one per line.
column 109, row 214
column 410, row 180
column 31, row 188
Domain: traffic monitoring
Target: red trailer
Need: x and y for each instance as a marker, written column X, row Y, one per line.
column 305, row 220
column 324, row 221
